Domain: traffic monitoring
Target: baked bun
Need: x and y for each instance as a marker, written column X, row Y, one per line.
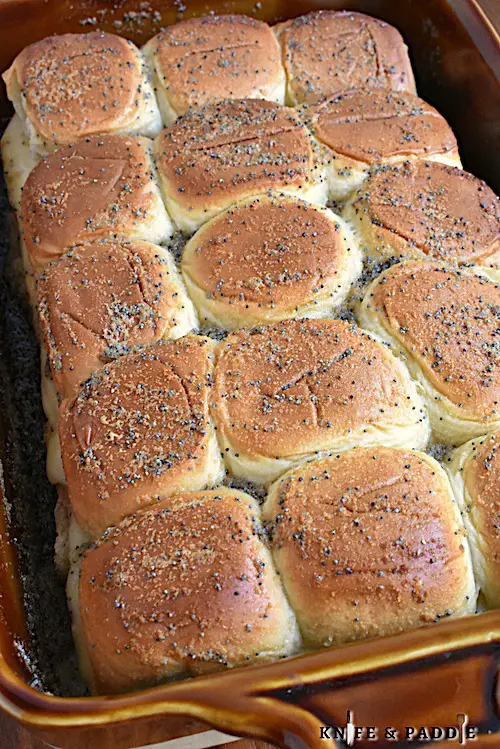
column 139, row 431
column 71, row 86
column 212, row 58
column 360, row 127
column 267, row 259
column 369, row 543
column 184, row 588
column 228, row 151
column 474, row 471
column 17, row 160
column 98, row 186
column 297, row 389
column 444, row 322
column 422, row 209
column 329, row 51
column 104, row 299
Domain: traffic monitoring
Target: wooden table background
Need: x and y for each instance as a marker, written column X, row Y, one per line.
column 14, row 737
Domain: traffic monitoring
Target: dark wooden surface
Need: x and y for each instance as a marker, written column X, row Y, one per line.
column 14, row 737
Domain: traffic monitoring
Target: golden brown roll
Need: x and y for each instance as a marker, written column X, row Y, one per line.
column 228, row 151
column 267, row 259
column 71, row 86
column 329, row 51
column 422, row 209
column 105, row 298
column 444, row 322
column 139, row 431
column 17, row 160
column 289, row 391
column 184, row 588
column 360, row 127
column 474, row 471
column 369, row 543
column 212, row 58
column 101, row 185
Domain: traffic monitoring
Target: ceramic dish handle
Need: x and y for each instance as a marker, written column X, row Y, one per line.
column 379, row 693
column 434, row 683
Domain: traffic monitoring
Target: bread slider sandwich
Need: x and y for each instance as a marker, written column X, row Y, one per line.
column 359, row 127
column 425, row 210
column 474, row 470
column 99, row 186
column 286, row 392
column 369, row 543
column 72, row 86
column 329, row 51
column 210, row 58
column 138, row 431
column 232, row 150
column 267, row 259
column 183, row 588
column 443, row 321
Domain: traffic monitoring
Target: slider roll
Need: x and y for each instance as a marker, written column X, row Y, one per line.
column 369, row 543
column 268, row 259
column 232, row 150
column 105, row 298
column 425, row 210
column 360, row 127
column 183, row 588
column 139, row 431
column 474, row 471
column 72, row 86
column 443, row 321
column 99, row 186
column 328, row 51
column 297, row 389
column 207, row 59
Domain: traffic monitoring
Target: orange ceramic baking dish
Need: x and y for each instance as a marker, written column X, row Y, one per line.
column 440, row 675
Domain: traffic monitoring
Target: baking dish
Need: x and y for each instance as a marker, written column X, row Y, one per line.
column 429, row 677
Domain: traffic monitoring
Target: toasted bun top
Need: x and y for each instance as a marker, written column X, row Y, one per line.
column 216, row 57
column 370, row 538
column 78, row 84
column 267, row 252
column 188, row 587
column 448, row 320
column 238, row 147
column 100, row 185
column 295, row 387
column 445, row 212
column 133, row 428
column 373, row 124
column 329, row 51
column 102, row 300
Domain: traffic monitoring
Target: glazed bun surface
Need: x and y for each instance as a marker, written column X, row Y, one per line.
column 232, row 150
column 104, row 299
column 369, row 543
column 138, row 431
column 286, row 392
column 360, row 127
column 268, row 259
column 74, row 85
column 99, row 186
column 425, row 210
column 444, row 322
column 329, row 51
column 211, row 58
column 179, row 590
